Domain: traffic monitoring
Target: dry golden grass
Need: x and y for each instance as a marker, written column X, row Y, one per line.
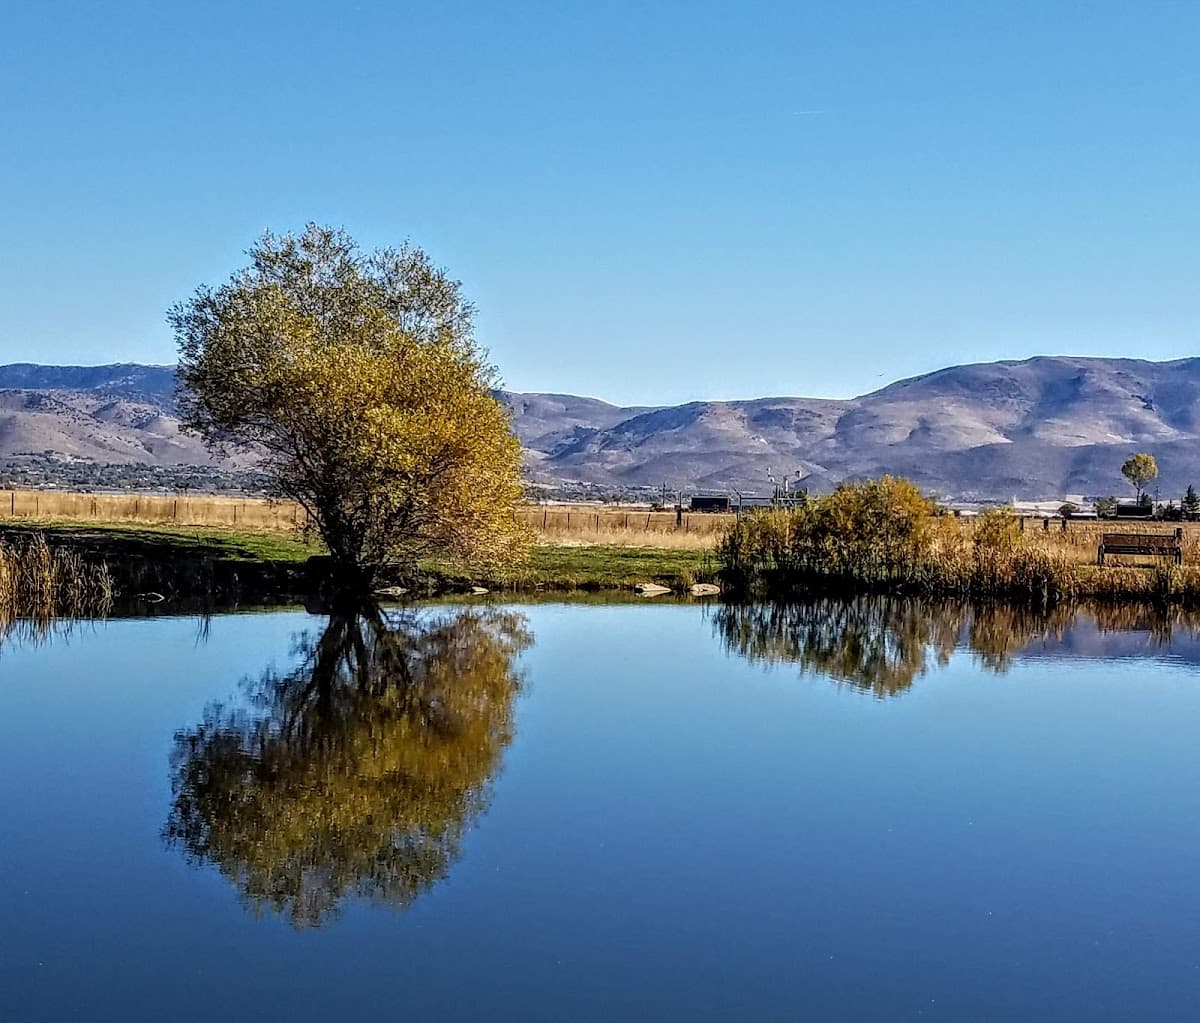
column 561, row 524
column 624, row 527
column 1079, row 541
column 242, row 513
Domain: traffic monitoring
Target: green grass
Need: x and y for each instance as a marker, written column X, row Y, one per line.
column 594, row 567
column 549, row 568
column 116, row 539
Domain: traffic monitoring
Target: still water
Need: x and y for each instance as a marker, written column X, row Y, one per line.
column 875, row 811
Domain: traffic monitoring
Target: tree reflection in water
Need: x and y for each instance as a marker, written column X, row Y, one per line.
column 356, row 773
column 881, row 644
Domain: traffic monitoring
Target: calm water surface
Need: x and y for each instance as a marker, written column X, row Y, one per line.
column 869, row 812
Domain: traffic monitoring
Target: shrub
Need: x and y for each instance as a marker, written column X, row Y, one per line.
column 884, row 535
column 878, row 530
column 997, row 531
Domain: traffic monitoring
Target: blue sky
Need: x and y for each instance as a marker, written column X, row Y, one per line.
column 649, row 202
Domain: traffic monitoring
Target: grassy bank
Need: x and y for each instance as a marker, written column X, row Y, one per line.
column 185, row 567
column 114, row 540
column 260, row 564
column 772, row 555
column 584, row 567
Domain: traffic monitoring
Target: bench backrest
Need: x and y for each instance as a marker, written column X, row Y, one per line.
column 1140, row 540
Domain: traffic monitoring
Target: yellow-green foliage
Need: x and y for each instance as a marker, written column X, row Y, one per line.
column 1140, row 469
column 997, row 532
column 357, row 378
column 885, row 534
column 880, row 530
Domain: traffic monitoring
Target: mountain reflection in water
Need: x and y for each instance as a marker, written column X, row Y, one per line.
column 357, row 772
column 882, row 644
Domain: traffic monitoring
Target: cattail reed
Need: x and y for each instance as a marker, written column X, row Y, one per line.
column 39, row 582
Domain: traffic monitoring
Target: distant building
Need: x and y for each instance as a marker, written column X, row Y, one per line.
column 1132, row 510
column 711, row 504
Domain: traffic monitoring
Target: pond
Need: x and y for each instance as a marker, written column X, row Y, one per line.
column 875, row 810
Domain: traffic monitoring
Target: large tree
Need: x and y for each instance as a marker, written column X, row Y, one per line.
column 1140, row 469
column 357, row 377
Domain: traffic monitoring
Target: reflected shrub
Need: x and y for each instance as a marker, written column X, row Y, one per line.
column 881, row 644
column 878, row 644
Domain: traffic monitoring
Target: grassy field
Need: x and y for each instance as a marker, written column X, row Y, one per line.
column 588, row 567
column 151, row 509
column 1080, row 539
column 578, row 547
column 565, row 524
column 626, row 527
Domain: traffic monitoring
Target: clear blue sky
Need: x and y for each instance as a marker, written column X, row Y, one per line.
column 649, row 202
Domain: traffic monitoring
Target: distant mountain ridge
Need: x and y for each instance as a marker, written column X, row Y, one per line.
column 120, row 379
column 1042, row 427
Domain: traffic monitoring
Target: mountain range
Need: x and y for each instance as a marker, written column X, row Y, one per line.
column 1043, row 427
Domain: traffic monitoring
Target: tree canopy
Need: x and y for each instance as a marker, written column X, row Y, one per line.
column 357, row 378
column 357, row 772
column 1140, row 469
column 1191, row 503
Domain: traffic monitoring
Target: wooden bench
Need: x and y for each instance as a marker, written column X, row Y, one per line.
column 1164, row 545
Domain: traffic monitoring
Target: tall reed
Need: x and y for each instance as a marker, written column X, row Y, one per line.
column 41, row 583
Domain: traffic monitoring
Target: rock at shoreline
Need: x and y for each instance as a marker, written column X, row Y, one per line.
column 479, row 591
column 651, row 589
column 704, row 590
column 391, row 591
